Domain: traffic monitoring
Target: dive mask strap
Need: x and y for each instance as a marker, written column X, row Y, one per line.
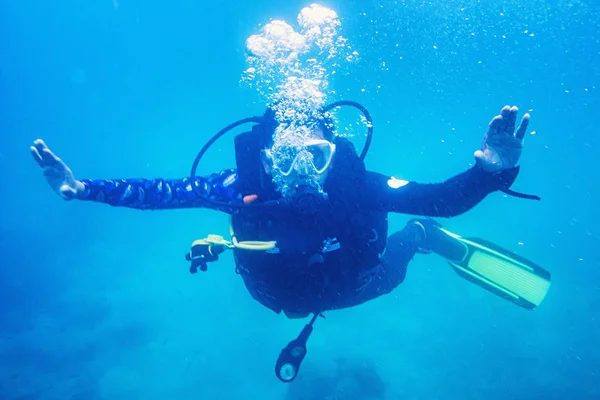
column 520, row 195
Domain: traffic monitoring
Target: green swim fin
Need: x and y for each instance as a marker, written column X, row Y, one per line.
column 495, row 269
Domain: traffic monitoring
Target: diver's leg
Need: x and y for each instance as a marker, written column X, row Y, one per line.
column 390, row 272
column 400, row 249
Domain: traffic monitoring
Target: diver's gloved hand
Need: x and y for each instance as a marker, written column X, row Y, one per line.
column 57, row 173
column 502, row 146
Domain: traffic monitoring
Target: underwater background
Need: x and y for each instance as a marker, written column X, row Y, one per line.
column 96, row 302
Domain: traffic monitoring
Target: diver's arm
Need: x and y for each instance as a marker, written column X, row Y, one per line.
column 447, row 199
column 154, row 194
column 142, row 194
column 496, row 169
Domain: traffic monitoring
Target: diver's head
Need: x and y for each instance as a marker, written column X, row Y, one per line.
column 300, row 167
column 300, row 158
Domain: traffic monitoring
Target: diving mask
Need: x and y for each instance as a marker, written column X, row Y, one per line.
column 314, row 156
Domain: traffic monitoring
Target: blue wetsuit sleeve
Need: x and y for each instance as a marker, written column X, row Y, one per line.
column 447, row 199
column 154, row 194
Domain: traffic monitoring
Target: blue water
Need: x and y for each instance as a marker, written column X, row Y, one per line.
column 96, row 302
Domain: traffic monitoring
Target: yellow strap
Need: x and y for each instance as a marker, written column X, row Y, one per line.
column 252, row 245
column 255, row 245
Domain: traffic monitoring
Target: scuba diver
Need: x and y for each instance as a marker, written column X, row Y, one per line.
column 322, row 243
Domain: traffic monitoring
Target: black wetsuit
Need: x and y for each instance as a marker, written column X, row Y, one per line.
column 334, row 256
